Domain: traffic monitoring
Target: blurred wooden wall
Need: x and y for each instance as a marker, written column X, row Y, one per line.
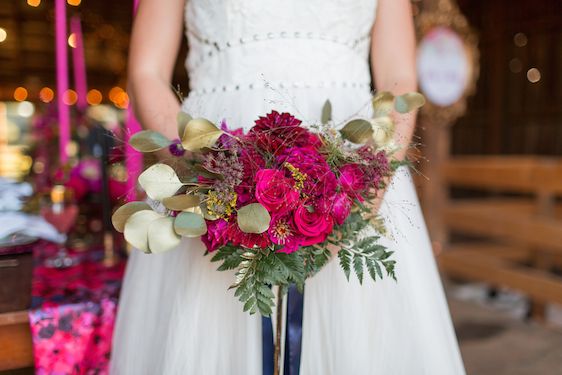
column 509, row 114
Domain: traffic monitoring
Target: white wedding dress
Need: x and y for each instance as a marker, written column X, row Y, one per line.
column 247, row 57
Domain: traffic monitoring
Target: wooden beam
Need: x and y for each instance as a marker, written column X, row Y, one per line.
column 516, row 174
column 537, row 284
column 528, row 230
column 500, row 251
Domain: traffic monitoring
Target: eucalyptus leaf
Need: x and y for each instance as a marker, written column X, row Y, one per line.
column 383, row 130
column 181, row 202
column 189, row 224
column 121, row 215
column 202, row 171
column 136, row 229
column 161, row 235
column 182, row 119
column 382, row 104
column 357, row 131
column 253, row 218
column 160, row 181
column 199, row 134
column 326, row 112
column 148, row 141
column 409, row 102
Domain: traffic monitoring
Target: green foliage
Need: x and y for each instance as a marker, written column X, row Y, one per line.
column 359, row 252
column 257, row 270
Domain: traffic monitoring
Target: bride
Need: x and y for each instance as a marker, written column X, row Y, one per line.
column 247, row 57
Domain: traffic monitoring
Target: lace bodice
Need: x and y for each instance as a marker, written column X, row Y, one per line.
column 243, row 44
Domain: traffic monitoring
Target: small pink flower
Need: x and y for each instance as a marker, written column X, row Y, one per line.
column 282, row 231
column 351, row 178
column 341, row 208
column 275, row 191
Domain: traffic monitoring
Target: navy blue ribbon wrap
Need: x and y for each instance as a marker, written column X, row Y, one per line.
column 293, row 336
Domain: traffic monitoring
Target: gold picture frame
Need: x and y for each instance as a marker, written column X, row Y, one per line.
column 447, row 14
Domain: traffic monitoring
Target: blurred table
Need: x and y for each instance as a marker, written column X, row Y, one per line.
column 72, row 314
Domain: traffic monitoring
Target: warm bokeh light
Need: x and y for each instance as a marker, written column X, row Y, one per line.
column 74, row 2
column 34, row 3
column 94, row 97
column 534, row 75
column 38, row 167
column 520, row 40
column 46, row 95
column 72, row 149
column 114, row 93
column 20, row 94
column 72, row 40
column 3, row 35
column 69, row 97
column 26, row 109
column 122, row 100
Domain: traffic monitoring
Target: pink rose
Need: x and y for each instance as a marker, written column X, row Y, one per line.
column 351, row 178
column 341, row 208
column 275, row 191
column 315, row 226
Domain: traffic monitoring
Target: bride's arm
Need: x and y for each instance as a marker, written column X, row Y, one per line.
column 393, row 53
column 155, row 41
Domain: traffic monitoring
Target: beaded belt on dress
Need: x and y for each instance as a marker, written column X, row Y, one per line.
column 308, row 60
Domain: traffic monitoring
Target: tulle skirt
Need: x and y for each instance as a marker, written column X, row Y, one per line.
column 177, row 317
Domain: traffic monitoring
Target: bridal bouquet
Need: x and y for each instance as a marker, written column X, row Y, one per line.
column 268, row 203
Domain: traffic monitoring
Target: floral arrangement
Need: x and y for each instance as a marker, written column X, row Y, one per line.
column 269, row 203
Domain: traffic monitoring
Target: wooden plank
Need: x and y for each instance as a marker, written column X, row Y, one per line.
column 511, row 173
column 537, row 284
column 16, row 350
column 501, row 251
column 530, row 231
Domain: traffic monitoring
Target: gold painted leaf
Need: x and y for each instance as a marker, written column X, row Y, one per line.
column 181, row 202
column 148, row 141
column 253, row 218
column 121, row 215
column 190, row 224
column 357, row 131
column 409, row 102
column 161, row 235
column 182, row 120
column 383, row 130
column 382, row 104
column 199, row 134
column 160, row 181
column 326, row 112
column 136, row 229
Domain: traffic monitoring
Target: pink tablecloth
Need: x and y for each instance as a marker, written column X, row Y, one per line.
column 73, row 313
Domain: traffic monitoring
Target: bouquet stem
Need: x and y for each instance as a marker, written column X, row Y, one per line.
column 278, row 331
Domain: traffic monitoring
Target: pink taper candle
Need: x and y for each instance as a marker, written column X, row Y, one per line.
column 133, row 158
column 80, row 80
column 62, row 79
